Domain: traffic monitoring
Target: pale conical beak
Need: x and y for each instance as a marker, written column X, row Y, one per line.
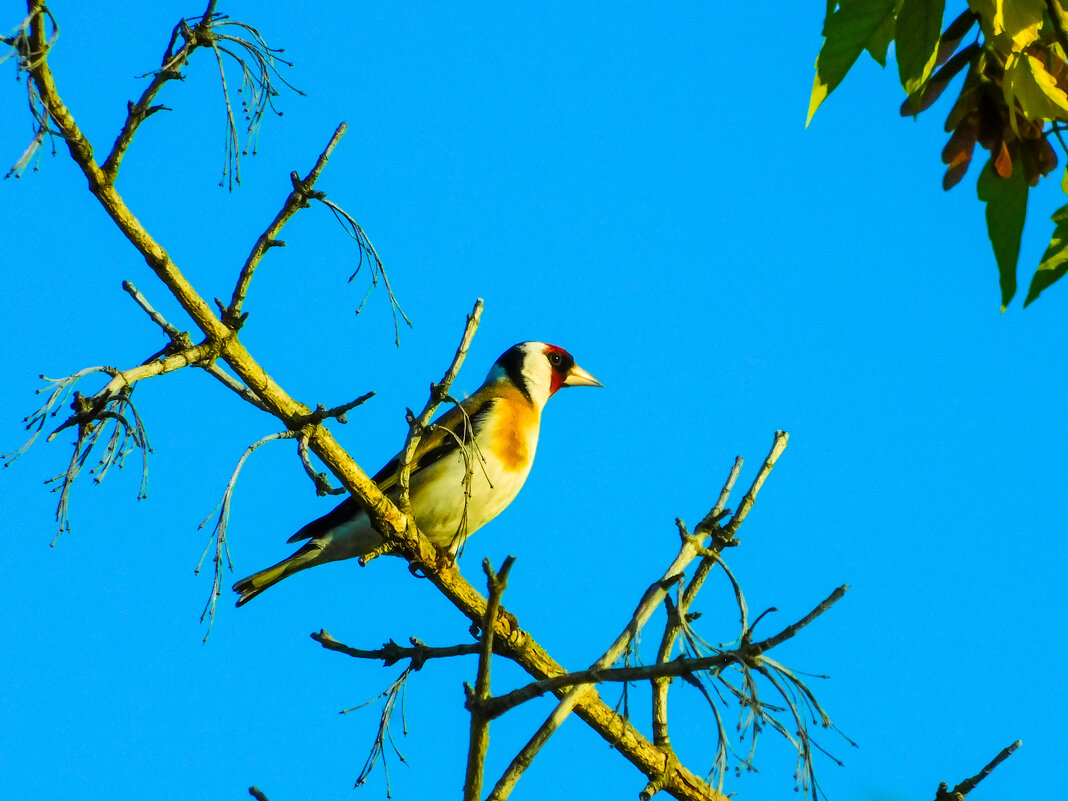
column 577, row 377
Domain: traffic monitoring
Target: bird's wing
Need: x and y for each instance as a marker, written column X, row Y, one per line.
column 342, row 513
column 459, row 424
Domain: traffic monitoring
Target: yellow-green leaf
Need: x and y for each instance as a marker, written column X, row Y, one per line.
column 1027, row 81
column 1006, row 210
column 986, row 11
column 1054, row 262
column 1016, row 21
column 919, row 24
column 1019, row 20
column 846, row 33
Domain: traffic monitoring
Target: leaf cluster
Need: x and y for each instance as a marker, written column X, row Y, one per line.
column 1013, row 101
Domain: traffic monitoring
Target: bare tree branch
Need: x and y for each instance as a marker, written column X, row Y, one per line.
column 495, row 706
column 438, row 392
column 298, row 199
column 386, row 518
column 171, row 68
column 476, row 752
column 966, row 786
column 781, row 438
column 391, row 653
column 171, row 331
column 788, row 632
column 653, row 598
column 675, row 622
column 218, row 534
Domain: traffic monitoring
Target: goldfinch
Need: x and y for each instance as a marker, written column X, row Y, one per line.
column 454, row 491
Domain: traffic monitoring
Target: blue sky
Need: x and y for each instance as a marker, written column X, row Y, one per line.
column 633, row 183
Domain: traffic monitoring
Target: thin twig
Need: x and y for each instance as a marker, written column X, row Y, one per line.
column 321, row 413
column 228, row 381
column 479, row 742
column 364, row 246
column 391, row 653
column 168, row 329
column 790, row 631
column 966, row 786
column 298, row 199
column 31, row 47
column 319, row 478
column 777, row 447
column 394, row 693
column 677, row 621
column 437, row 394
column 691, row 547
column 218, row 534
column 90, row 415
column 172, row 64
column 718, row 508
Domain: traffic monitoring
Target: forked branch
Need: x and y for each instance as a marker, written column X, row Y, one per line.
column 476, row 753
column 691, row 547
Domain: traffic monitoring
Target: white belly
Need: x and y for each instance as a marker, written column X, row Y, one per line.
column 438, row 495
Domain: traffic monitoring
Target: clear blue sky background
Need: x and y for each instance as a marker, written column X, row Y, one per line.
column 632, row 182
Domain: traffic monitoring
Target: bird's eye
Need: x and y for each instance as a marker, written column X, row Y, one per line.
column 555, row 359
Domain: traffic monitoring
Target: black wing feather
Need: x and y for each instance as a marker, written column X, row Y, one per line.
column 351, row 508
column 346, row 510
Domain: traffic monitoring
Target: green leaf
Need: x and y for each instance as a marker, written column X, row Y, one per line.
column 1016, row 22
column 1006, row 209
column 1029, row 84
column 1054, row 262
column 880, row 41
column 1020, row 20
column 919, row 24
column 846, row 33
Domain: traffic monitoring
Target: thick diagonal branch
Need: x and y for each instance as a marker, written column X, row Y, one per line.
column 383, row 514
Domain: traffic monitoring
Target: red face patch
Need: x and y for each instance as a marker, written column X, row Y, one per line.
column 561, row 362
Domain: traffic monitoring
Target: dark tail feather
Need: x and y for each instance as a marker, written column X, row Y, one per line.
column 253, row 585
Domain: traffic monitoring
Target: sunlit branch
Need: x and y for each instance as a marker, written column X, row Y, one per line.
column 297, row 199
column 479, row 741
column 438, row 392
column 966, row 786
column 653, row 598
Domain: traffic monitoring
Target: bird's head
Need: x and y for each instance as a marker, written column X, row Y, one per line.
column 538, row 370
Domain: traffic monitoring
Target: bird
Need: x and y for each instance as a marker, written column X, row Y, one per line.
column 454, row 490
